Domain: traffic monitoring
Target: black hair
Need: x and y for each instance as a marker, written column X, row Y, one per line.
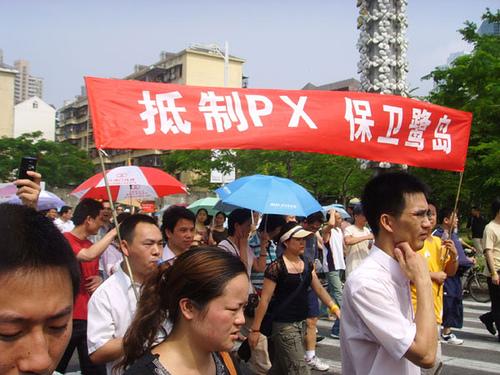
column 495, row 207
column 385, row 194
column 270, row 222
column 315, row 217
column 221, row 213
column 64, row 209
column 358, row 209
column 444, row 213
column 172, row 215
column 240, row 216
column 30, row 241
column 127, row 226
column 87, row 207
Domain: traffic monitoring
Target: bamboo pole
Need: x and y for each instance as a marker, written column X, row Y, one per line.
column 455, row 206
column 110, row 198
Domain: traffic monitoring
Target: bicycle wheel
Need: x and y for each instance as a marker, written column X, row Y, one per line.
column 478, row 288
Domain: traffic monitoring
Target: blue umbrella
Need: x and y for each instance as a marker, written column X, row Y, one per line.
column 339, row 208
column 269, row 195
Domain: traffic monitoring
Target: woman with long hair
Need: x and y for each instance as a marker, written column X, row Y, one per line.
column 202, row 295
column 201, row 230
column 217, row 232
column 287, row 280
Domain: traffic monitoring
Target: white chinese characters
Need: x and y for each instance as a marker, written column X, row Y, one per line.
column 358, row 114
column 220, row 112
column 169, row 113
column 360, row 117
column 442, row 140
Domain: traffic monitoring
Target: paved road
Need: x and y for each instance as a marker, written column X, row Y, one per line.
column 479, row 354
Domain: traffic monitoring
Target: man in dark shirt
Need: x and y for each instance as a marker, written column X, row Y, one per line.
column 476, row 224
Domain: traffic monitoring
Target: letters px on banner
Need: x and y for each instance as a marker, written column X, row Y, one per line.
column 142, row 115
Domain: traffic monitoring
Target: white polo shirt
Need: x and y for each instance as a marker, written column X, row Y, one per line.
column 377, row 325
column 111, row 309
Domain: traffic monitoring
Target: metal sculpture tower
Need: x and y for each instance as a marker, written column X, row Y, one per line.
column 382, row 46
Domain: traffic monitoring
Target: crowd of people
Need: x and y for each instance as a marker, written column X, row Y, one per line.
column 238, row 293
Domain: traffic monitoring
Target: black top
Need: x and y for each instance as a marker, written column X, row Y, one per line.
column 286, row 283
column 219, row 236
column 477, row 225
column 150, row 364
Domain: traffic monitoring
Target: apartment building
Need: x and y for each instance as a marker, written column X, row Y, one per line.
column 7, row 82
column 196, row 65
column 26, row 85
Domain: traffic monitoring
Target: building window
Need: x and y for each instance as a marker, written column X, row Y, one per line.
column 35, row 105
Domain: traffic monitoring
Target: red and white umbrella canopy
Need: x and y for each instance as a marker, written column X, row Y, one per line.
column 130, row 182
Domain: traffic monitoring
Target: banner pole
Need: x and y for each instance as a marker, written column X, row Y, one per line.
column 110, row 198
column 454, row 213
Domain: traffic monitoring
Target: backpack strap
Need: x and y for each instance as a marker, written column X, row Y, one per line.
column 228, row 362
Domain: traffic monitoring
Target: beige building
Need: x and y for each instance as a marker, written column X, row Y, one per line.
column 7, row 79
column 35, row 115
column 198, row 66
column 26, row 86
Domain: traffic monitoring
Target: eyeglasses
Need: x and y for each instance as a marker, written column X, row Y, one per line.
column 421, row 214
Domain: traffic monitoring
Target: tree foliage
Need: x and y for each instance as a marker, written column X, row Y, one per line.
column 329, row 178
column 472, row 83
column 61, row 164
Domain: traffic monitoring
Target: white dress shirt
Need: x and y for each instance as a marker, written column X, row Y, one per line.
column 111, row 309
column 377, row 325
column 168, row 255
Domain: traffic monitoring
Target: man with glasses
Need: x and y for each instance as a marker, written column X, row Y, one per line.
column 380, row 333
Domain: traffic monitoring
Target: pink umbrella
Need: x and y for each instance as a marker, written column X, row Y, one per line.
column 130, row 182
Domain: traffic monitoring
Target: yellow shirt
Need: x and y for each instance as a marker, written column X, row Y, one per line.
column 436, row 257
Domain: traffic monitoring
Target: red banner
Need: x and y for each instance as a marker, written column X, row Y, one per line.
column 142, row 115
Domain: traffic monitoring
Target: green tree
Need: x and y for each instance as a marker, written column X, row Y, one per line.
column 472, row 83
column 327, row 177
column 61, row 164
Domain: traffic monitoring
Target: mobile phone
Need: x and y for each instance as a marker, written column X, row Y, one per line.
column 28, row 163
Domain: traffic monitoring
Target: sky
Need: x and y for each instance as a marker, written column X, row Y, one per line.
column 285, row 43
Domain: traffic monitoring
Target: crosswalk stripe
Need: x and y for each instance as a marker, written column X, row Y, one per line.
column 489, row 342
column 469, row 302
column 450, row 361
column 474, row 311
column 463, row 363
column 482, row 340
column 472, row 364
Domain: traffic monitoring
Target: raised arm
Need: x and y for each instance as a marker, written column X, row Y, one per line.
column 422, row 350
column 94, row 251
